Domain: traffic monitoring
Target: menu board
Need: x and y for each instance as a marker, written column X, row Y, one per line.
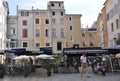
column 115, row 64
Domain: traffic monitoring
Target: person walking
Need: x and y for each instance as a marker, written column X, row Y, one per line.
column 84, row 65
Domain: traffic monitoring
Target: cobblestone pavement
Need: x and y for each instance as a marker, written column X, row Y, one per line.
column 64, row 77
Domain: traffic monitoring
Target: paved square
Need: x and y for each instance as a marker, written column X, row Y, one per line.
column 64, row 77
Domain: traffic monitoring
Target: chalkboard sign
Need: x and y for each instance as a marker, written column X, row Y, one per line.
column 115, row 65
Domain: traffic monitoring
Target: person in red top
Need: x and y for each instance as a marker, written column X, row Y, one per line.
column 75, row 65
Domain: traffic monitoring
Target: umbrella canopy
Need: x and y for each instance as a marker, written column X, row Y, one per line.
column 21, row 57
column 118, row 55
column 44, row 56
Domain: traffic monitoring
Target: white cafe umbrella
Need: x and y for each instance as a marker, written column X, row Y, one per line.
column 118, row 55
column 21, row 57
column 44, row 56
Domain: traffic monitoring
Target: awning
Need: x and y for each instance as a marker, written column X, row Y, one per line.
column 15, row 50
column 81, row 51
column 10, row 51
column 112, row 47
column 46, row 50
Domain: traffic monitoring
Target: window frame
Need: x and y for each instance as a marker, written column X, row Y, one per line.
column 37, row 32
column 25, row 45
column 37, row 21
column 25, row 33
column 24, row 22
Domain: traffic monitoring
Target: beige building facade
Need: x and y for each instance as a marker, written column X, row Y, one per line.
column 73, row 30
column 51, row 28
column 89, row 37
column 105, row 33
column 100, row 34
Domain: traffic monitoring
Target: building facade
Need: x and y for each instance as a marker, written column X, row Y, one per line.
column 12, row 31
column 100, row 30
column 46, row 28
column 112, row 14
column 89, row 37
column 73, row 30
column 49, row 28
column 104, row 22
column 25, row 28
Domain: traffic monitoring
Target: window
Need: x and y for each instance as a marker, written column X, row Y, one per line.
column 84, row 44
column 37, row 45
column 24, row 22
column 61, row 21
column 12, row 31
column 24, row 13
column 91, row 44
column 107, row 16
column 37, row 13
column 75, row 45
column 47, row 44
column 12, row 44
column 25, row 33
column 46, row 21
column 53, row 13
column 37, row 21
column 47, row 32
column 54, row 33
column 59, row 46
column 53, row 21
column 62, row 33
column 83, row 34
column 52, row 5
column 24, row 44
column 91, row 35
column 112, row 27
column 61, row 13
column 59, row 4
column 71, row 28
column 117, row 24
column 72, row 38
column 70, row 18
column 37, row 32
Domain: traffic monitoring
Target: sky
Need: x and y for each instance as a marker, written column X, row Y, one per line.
column 89, row 9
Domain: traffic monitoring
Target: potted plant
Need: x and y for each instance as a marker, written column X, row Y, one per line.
column 48, row 65
column 49, row 68
column 26, row 67
column 57, row 64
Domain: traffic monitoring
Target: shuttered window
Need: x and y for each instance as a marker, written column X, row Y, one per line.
column 24, row 22
column 25, row 33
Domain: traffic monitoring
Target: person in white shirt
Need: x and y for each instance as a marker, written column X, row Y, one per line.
column 84, row 65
